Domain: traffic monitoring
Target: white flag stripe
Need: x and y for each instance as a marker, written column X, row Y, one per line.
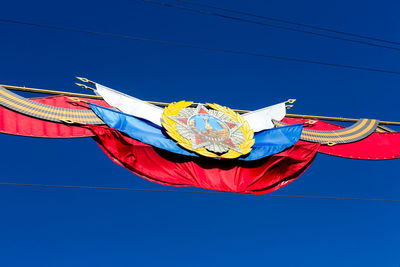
column 259, row 120
column 130, row 105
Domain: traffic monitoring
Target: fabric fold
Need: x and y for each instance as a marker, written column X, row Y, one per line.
column 130, row 105
column 163, row 167
column 267, row 142
column 259, row 120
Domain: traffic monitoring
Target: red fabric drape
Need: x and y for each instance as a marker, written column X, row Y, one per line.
column 14, row 123
column 257, row 177
column 377, row 146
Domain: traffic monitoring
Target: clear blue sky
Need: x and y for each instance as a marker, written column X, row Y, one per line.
column 71, row 227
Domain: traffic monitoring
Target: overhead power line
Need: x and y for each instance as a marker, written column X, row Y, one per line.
column 179, row 44
column 194, row 192
column 268, row 25
column 288, row 22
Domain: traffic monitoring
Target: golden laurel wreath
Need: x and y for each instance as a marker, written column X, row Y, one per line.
column 174, row 108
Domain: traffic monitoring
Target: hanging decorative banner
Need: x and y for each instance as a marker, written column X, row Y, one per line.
column 257, row 177
column 266, row 142
column 202, row 145
column 259, row 120
column 215, row 132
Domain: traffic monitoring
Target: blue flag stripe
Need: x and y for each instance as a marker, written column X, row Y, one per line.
column 267, row 142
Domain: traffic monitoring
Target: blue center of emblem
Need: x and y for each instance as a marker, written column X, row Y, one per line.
column 209, row 127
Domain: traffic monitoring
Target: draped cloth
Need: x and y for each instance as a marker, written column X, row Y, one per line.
column 258, row 120
column 130, row 105
column 267, row 142
column 163, row 167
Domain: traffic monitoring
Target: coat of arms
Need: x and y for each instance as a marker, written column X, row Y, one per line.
column 210, row 130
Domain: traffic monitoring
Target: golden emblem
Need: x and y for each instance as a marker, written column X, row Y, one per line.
column 210, row 130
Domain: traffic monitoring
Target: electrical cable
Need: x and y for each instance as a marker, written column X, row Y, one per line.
column 267, row 24
column 195, row 192
column 179, row 44
column 288, row 22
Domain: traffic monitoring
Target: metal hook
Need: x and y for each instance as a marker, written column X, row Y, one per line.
column 76, row 99
column 68, row 121
column 85, row 80
column 330, row 143
column 311, row 121
column 85, row 86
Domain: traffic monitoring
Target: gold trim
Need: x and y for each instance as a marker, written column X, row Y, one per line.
column 43, row 108
column 322, row 137
column 54, row 92
column 39, row 113
column 361, row 125
column 174, row 108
